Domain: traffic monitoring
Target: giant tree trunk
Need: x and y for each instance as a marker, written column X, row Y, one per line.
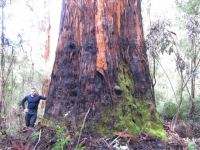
column 101, row 66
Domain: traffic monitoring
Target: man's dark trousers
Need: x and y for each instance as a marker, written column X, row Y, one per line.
column 30, row 119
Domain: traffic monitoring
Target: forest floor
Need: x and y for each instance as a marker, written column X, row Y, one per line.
column 44, row 138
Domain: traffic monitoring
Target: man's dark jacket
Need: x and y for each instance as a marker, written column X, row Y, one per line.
column 32, row 101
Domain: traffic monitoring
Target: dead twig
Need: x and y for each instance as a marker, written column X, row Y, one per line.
column 116, row 138
column 38, row 140
column 168, row 78
column 106, row 143
column 82, row 127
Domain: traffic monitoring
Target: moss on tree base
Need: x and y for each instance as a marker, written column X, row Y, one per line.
column 129, row 114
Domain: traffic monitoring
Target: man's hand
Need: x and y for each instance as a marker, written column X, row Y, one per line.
column 25, row 110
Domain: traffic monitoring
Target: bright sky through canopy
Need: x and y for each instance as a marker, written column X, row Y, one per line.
column 25, row 17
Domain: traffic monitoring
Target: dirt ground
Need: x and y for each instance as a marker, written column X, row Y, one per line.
column 44, row 138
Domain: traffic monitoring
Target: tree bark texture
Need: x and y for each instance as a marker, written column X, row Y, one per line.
column 100, row 64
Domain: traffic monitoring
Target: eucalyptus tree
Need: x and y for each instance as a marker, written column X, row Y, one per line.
column 101, row 73
column 191, row 22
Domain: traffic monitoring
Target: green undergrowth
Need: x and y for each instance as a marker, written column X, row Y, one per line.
column 129, row 114
column 62, row 139
column 60, row 133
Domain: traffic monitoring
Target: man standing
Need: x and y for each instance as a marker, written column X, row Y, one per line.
column 31, row 111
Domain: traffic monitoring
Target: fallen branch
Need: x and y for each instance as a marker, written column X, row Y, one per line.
column 82, row 127
column 106, row 143
column 38, row 139
column 116, row 138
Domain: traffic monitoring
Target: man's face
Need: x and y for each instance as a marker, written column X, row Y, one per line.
column 33, row 92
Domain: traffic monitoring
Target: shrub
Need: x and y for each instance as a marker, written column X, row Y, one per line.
column 62, row 139
column 169, row 110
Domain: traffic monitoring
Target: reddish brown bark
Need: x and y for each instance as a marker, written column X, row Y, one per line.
column 96, row 38
column 47, row 44
column 45, row 88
